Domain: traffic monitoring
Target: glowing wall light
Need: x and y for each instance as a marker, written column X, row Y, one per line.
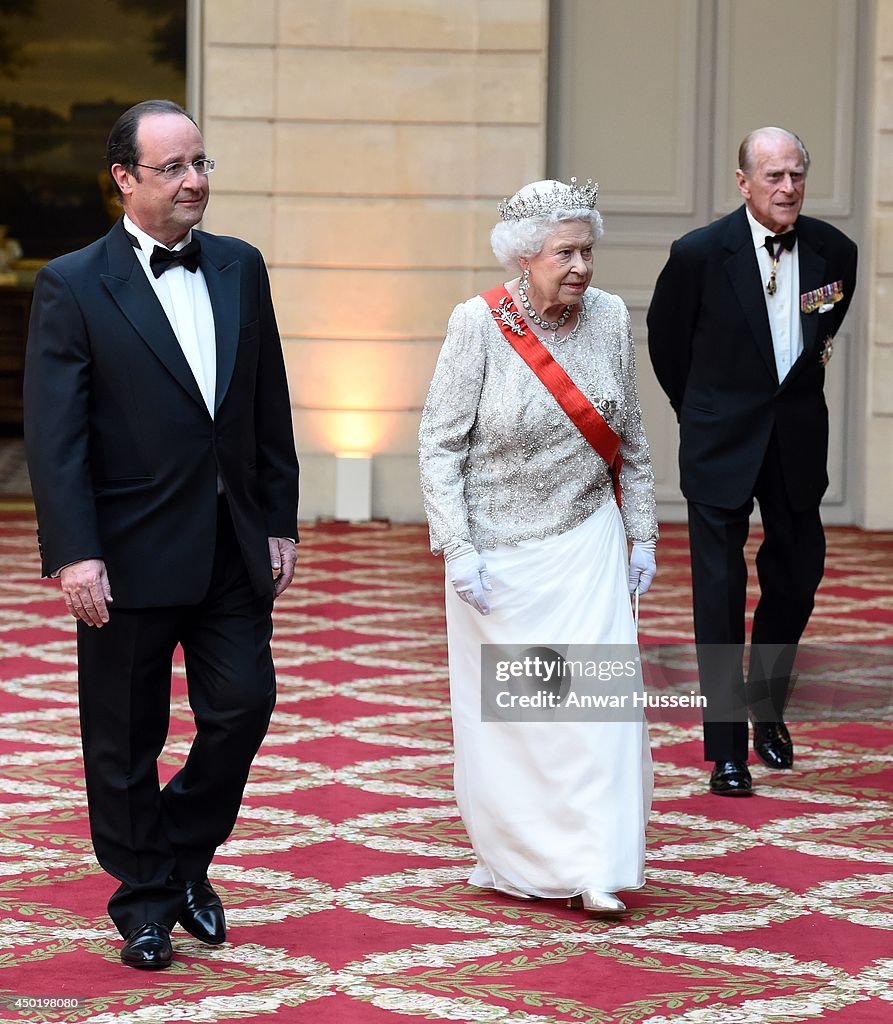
column 353, row 486
column 355, row 430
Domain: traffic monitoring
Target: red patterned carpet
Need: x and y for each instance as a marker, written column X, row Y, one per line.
column 345, row 880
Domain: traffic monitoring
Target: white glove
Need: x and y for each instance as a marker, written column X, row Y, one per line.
column 469, row 576
column 642, row 566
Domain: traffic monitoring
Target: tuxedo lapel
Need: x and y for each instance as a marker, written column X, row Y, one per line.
column 127, row 284
column 223, row 277
column 812, row 276
column 744, row 274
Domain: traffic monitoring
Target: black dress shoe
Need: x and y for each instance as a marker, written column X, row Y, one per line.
column 202, row 914
column 772, row 745
column 148, row 947
column 730, row 778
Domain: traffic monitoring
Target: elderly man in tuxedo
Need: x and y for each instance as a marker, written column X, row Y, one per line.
column 739, row 331
column 160, row 447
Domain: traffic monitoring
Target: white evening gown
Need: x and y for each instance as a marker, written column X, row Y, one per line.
column 551, row 808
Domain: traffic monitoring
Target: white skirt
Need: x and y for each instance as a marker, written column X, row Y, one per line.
column 551, row 808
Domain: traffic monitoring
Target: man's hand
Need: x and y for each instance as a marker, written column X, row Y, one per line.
column 85, row 587
column 283, row 556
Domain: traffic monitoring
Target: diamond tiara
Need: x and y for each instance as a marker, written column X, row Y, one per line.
column 537, row 202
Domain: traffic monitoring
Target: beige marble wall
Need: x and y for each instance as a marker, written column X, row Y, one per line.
column 664, row 148
column 879, row 407
column 363, row 145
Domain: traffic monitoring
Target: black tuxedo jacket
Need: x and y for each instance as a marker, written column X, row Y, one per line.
column 711, row 348
column 123, row 454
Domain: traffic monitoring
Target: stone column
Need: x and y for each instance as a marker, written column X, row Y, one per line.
column 363, row 146
column 877, row 280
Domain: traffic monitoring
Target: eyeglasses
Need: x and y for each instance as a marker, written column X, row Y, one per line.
column 173, row 172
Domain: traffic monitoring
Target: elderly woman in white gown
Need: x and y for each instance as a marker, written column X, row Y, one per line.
column 523, row 508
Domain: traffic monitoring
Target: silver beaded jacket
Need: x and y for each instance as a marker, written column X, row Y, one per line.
column 500, row 461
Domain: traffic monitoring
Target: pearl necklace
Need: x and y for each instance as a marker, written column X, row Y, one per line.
column 546, row 325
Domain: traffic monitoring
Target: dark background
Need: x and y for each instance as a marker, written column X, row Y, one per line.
column 68, row 68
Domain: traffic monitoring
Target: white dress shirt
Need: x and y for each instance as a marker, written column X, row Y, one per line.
column 185, row 300
column 784, row 306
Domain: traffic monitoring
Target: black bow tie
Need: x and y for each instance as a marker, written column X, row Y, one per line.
column 163, row 259
column 786, row 241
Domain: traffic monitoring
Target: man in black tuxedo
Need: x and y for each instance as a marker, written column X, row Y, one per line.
column 160, row 447
column 739, row 332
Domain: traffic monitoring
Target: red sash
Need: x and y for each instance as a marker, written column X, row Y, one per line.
column 582, row 413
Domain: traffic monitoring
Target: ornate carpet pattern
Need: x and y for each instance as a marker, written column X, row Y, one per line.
column 345, row 878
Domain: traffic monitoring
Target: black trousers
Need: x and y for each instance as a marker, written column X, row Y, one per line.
column 153, row 839
column 790, row 564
